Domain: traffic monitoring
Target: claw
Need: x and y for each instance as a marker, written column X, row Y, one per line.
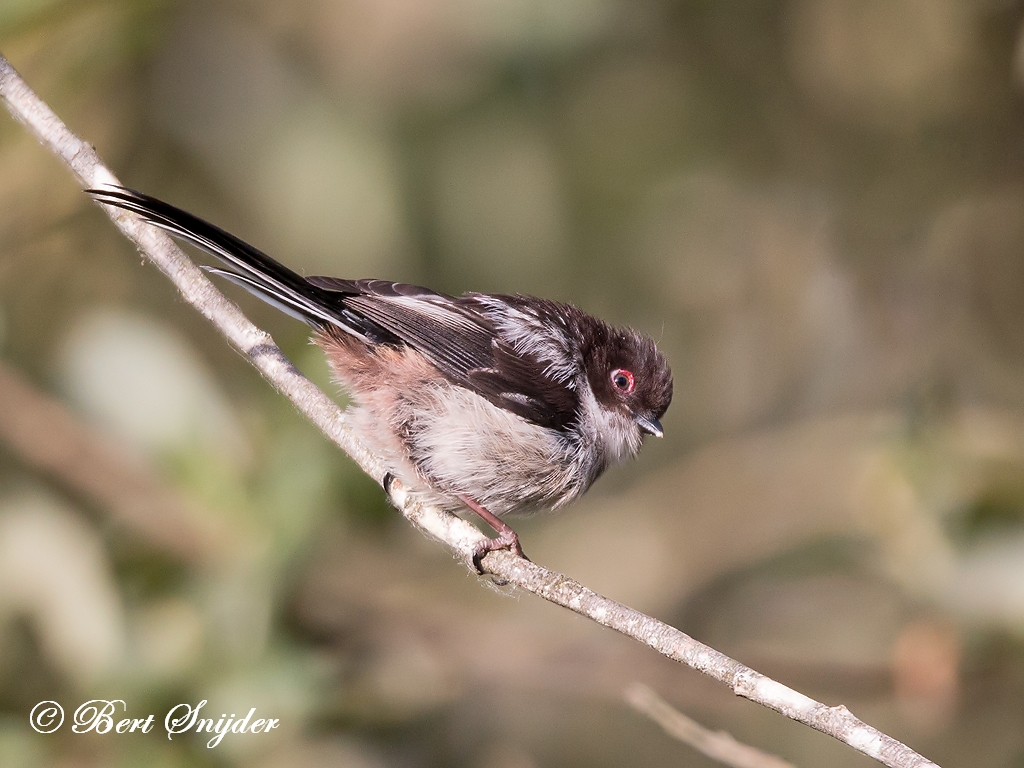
column 507, row 539
column 396, row 492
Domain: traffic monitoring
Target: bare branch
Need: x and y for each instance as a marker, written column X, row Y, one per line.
column 459, row 535
column 718, row 745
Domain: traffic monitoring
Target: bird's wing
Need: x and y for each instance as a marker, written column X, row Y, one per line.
column 463, row 340
column 455, row 340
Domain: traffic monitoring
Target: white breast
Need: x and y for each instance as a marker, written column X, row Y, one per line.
column 466, row 445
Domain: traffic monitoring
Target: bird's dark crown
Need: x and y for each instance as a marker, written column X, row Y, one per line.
column 623, row 356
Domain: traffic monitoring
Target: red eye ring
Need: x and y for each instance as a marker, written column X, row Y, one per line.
column 622, row 380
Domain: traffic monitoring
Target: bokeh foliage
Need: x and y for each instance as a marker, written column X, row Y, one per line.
column 816, row 207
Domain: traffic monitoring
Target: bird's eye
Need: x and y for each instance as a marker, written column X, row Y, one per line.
column 623, row 380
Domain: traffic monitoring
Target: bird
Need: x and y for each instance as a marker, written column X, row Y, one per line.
column 502, row 404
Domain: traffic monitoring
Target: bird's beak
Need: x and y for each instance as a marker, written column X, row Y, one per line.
column 650, row 425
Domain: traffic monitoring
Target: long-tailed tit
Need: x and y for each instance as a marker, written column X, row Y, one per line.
column 502, row 404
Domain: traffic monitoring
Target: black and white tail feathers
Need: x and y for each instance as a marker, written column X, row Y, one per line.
column 249, row 267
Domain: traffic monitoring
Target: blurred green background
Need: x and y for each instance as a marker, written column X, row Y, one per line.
column 815, row 206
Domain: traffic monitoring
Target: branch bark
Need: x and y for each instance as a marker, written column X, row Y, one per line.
column 458, row 534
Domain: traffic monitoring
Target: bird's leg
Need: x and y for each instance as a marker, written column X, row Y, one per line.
column 506, row 539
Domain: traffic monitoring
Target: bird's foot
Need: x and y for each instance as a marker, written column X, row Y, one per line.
column 506, row 539
column 395, row 490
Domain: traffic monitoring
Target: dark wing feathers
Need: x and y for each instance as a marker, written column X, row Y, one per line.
column 455, row 342
column 453, row 333
column 518, row 383
column 374, row 287
column 454, row 339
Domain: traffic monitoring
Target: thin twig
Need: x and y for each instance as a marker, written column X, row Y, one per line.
column 258, row 346
column 46, row 435
column 718, row 745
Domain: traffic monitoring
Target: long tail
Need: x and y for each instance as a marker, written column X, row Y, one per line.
column 248, row 267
